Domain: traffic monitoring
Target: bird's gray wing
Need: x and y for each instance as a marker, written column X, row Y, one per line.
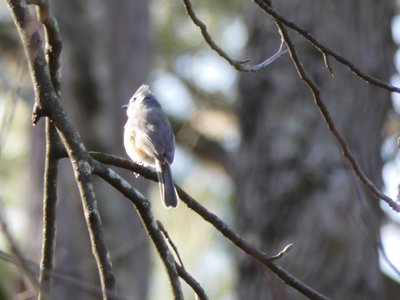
column 155, row 137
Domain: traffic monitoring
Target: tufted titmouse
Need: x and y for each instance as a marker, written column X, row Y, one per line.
column 149, row 140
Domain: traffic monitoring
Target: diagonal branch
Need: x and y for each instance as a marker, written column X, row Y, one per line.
column 166, row 235
column 266, row 6
column 189, row 279
column 143, row 206
column 330, row 124
column 325, row 51
column 249, row 249
column 222, row 227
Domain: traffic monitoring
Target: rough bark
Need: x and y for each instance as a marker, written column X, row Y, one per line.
column 293, row 184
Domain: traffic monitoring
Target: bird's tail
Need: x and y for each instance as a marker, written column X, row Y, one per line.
column 167, row 189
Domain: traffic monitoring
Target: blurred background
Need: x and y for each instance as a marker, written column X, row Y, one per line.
column 251, row 147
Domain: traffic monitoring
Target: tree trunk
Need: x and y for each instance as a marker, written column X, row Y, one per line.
column 293, row 184
column 106, row 55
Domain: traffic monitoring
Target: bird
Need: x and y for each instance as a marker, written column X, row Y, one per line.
column 150, row 141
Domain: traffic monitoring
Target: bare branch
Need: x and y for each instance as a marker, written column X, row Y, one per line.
column 330, row 124
column 268, row 61
column 165, row 233
column 47, row 104
column 197, row 288
column 49, row 210
column 238, row 65
column 260, row 256
column 282, row 252
column 53, row 40
column 266, row 6
column 143, row 206
column 222, row 227
column 189, row 279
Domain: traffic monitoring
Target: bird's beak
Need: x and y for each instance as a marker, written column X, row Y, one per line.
column 125, row 106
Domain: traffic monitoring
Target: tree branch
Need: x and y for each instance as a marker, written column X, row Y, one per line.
column 53, row 40
column 189, row 279
column 49, row 210
column 238, row 65
column 329, row 122
column 266, row 6
column 143, row 206
column 222, row 227
column 166, row 235
column 47, row 104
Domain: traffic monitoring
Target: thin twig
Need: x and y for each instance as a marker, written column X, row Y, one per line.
column 281, row 253
column 327, row 63
column 330, row 124
column 222, row 227
column 166, row 234
column 142, row 205
column 266, row 6
column 238, row 65
column 268, row 61
column 190, row 280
